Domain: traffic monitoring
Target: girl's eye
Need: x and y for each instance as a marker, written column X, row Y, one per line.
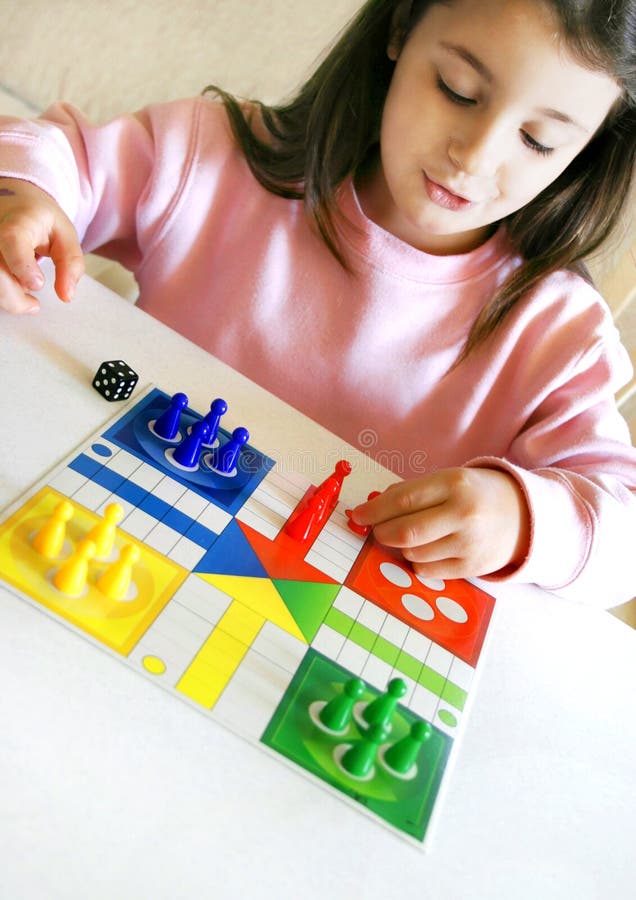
column 535, row 145
column 453, row 95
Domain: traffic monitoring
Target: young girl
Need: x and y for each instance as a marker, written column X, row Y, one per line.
column 397, row 252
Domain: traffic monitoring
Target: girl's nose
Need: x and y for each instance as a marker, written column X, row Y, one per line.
column 478, row 151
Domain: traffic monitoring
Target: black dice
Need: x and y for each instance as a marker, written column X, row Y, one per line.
column 115, row 380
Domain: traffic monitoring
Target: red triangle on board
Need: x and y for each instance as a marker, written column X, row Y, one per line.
column 283, row 557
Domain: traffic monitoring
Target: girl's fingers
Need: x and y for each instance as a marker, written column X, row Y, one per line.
column 68, row 260
column 450, row 568
column 13, row 298
column 401, row 500
column 416, row 529
column 18, row 252
column 434, row 552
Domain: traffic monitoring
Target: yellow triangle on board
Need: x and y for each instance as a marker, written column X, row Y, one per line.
column 259, row 595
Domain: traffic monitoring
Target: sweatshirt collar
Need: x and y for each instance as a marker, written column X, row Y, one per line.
column 388, row 253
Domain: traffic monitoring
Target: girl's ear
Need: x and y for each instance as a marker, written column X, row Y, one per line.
column 399, row 28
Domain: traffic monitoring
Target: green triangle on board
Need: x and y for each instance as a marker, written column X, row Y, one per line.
column 308, row 602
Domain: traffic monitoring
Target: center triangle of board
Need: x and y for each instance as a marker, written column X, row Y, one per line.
column 283, row 557
column 259, row 595
column 308, row 603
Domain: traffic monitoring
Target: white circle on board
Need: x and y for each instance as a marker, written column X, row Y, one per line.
column 395, row 574
column 452, row 610
column 435, row 584
column 418, row 607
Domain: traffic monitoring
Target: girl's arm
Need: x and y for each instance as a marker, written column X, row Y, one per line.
column 68, row 182
column 559, row 510
column 32, row 225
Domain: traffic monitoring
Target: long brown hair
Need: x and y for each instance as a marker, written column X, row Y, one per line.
column 330, row 128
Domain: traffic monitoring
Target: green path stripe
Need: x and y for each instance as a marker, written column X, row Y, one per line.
column 362, row 636
column 338, row 621
column 454, row 695
column 403, row 662
column 385, row 650
column 408, row 665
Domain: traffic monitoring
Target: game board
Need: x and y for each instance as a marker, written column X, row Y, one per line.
column 253, row 628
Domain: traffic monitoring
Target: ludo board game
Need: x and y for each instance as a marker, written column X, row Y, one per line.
column 236, row 585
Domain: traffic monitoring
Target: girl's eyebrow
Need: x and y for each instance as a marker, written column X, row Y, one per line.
column 472, row 60
column 487, row 75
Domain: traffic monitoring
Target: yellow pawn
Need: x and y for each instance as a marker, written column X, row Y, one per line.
column 103, row 534
column 71, row 578
column 49, row 540
column 115, row 581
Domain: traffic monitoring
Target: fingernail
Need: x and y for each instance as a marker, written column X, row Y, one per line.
column 31, row 311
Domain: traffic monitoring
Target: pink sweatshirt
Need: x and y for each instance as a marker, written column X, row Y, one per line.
column 242, row 273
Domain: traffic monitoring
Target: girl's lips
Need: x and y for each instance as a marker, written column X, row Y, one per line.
column 441, row 196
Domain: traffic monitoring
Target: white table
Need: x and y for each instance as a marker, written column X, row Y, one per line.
column 110, row 789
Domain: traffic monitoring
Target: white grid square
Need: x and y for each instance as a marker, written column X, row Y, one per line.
column 184, row 627
column 265, row 512
column 272, row 502
column 415, row 644
column 191, row 504
column 371, row 616
column 186, row 553
column 162, row 538
column 67, row 482
column 92, row 495
column 348, row 602
column 394, row 631
column 250, row 698
column 328, row 566
column 279, row 647
column 424, row 702
column 147, row 477
column 124, row 463
column 168, row 490
column 214, row 518
column 461, row 673
column 138, row 523
column 377, row 672
column 331, row 552
column 439, row 659
column 203, row 598
column 328, row 641
column 249, row 517
column 353, row 657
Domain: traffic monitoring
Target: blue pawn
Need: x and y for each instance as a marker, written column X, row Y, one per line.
column 224, row 458
column 218, row 408
column 167, row 425
column 188, row 452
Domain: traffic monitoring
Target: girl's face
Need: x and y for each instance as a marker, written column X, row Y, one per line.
column 486, row 107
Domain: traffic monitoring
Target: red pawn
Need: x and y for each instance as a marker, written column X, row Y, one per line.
column 316, row 508
column 363, row 530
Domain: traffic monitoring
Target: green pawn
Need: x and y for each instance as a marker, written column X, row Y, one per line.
column 336, row 715
column 401, row 756
column 380, row 711
column 358, row 759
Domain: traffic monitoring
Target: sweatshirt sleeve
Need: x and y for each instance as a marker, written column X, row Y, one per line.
column 117, row 182
column 576, row 466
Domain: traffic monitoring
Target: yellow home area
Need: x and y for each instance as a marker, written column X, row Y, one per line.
column 116, row 623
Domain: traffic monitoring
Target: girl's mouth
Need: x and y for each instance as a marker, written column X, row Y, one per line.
column 441, row 196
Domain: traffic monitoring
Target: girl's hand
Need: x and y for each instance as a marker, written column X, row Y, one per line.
column 455, row 523
column 33, row 225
